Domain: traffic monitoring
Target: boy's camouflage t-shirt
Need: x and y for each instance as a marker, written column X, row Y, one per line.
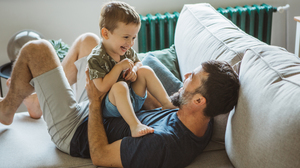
column 100, row 63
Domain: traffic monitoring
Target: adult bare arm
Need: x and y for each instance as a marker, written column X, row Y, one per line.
column 102, row 153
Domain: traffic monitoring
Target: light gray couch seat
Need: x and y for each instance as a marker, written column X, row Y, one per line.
column 26, row 143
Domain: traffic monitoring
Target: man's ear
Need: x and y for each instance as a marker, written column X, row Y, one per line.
column 199, row 100
column 104, row 33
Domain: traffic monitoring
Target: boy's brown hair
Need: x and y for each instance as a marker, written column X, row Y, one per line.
column 114, row 12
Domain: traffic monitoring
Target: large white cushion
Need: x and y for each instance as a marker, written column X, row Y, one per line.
column 264, row 130
column 203, row 34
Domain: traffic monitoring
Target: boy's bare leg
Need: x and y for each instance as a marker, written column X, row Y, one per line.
column 119, row 96
column 150, row 102
column 146, row 79
column 35, row 58
column 81, row 47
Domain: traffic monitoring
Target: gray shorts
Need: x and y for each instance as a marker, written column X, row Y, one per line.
column 60, row 109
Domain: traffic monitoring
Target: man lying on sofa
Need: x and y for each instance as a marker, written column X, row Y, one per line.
column 77, row 128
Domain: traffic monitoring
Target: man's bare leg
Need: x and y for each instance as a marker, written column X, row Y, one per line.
column 81, row 47
column 35, row 58
column 31, row 102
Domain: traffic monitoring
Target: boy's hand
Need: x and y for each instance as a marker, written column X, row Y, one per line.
column 126, row 64
column 130, row 75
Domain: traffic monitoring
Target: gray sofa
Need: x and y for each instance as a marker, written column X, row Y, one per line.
column 262, row 131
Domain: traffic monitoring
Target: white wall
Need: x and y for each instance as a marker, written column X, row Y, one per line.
column 66, row 19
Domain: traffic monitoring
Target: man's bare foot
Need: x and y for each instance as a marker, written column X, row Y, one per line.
column 8, row 82
column 5, row 118
column 141, row 130
column 32, row 104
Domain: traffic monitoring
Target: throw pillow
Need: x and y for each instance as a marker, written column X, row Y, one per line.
column 203, row 34
column 168, row 80
column 168, row 57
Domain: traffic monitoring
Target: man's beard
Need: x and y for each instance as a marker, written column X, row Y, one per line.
column 181, row 97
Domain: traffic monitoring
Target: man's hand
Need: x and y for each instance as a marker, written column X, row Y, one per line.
column 93, row 93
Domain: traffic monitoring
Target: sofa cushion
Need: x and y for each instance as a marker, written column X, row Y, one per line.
column 163, row 74
column 167, row 57
column 26, row 143
column 264, row 130
column 203, row 34
column 211, row 159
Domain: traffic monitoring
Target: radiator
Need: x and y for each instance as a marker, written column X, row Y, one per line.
column 157, row 31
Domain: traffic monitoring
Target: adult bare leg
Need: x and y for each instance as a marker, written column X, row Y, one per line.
column 31, row 102
column 35, row 58
column 81, row 47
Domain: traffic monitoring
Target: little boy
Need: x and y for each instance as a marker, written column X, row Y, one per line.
column 115, row 67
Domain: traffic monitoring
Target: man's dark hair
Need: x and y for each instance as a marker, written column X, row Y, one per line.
column 221, row 88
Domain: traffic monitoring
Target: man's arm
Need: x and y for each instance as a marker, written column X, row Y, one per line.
column 102, row 153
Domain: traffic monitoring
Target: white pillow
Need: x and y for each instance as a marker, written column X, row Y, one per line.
column 202, row 34
column 264, row 130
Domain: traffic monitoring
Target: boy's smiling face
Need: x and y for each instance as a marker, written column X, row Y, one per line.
column 122, row 38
